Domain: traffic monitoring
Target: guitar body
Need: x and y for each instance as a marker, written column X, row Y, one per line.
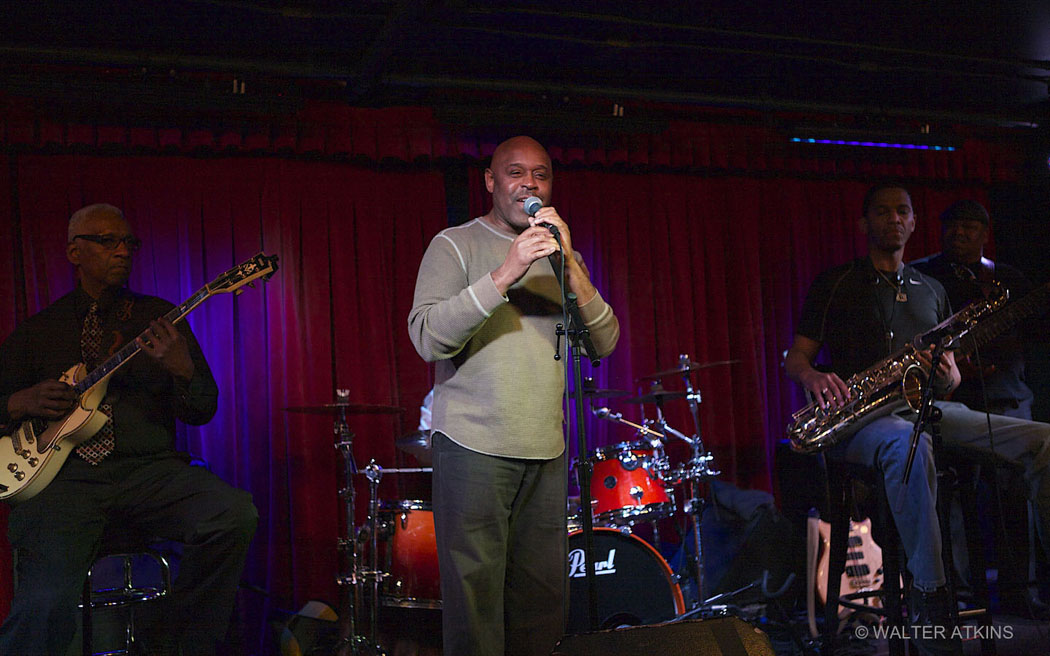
column 29, row 461
column 863, row 565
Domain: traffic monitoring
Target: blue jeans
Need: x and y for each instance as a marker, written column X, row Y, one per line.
column 884, row 444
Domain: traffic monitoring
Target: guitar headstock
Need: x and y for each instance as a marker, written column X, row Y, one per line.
column 259, row 267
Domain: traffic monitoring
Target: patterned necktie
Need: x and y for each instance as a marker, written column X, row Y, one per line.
column 97, row 447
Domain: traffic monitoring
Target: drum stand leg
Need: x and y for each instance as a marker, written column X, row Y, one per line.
column 349, row 580
column 695, row 507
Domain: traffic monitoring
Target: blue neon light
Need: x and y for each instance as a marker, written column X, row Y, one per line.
column 871, row 144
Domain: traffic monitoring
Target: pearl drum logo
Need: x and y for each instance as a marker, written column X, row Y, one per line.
column 577, row 569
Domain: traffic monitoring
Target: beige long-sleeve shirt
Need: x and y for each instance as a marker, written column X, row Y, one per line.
column 498, row 387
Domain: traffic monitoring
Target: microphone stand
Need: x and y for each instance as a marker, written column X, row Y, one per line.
column 577, row 335
column 928, row 412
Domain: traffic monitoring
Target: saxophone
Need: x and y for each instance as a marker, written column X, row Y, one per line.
column 883, row 387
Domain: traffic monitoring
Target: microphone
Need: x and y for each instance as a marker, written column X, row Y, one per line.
column 532, row 205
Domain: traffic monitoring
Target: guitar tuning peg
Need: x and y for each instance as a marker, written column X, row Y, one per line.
column 238, row 292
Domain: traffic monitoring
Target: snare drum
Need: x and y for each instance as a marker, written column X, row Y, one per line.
column 407, row 531
column 627, row 486
column 634, row 583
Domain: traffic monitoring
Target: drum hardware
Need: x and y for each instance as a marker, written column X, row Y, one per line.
column 641, row 430
column 697, row 469
column 591, row 392
column 343, row 408
column 685, row 367
column 658, row 396
column 352, row 575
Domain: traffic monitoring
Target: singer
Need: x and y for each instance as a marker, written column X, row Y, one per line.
column 485, row 309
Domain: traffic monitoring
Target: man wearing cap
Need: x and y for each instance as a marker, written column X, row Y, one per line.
column 967, row 275
column 993, row 379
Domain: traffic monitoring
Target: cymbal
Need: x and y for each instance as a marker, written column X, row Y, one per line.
column 416, row 443
column 658, row 396
column 348, row 408
column 683, row 368
column 597, row 392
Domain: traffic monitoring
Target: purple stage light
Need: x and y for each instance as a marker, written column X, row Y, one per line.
column 875, row 144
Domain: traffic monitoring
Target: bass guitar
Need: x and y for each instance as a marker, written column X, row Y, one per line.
column 32, row 454
column 863, row 573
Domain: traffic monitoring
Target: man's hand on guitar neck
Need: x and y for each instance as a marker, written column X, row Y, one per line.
column 163, row 342
column 51, row 399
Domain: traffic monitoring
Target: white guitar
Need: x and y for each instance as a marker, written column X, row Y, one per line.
column 32, row 454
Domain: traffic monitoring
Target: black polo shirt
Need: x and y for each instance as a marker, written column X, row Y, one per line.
column 853, row 311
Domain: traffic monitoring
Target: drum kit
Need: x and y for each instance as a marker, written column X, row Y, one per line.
column 391, row 560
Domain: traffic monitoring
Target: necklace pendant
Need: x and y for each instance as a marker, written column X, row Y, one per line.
column 902, row 296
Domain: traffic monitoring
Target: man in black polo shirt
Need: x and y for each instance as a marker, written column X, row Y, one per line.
column 861, row 312
column 129, row 472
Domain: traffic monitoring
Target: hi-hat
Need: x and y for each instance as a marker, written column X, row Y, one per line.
column 657, row 396
column 687, row 367
column 348, row 408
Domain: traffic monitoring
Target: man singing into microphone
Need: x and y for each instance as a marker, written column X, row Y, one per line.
column 485, row 309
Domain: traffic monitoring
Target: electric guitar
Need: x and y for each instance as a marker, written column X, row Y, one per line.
column 32, row 454
column 995, row 324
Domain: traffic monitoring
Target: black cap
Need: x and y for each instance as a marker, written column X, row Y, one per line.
column 965, row 210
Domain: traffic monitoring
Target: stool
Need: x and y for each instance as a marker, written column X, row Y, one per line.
column 129, row 594
column 840, row 477
column 970, row 466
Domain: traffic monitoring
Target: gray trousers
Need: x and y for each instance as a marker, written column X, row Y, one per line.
column 502, row 541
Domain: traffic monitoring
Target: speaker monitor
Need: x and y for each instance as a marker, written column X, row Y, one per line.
column 716, row 637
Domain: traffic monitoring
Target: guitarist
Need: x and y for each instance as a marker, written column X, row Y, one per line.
column 965, row 273
column 996, row 381
column 861, row 312
column 127, row 475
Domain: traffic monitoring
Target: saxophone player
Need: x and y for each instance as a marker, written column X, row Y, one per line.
column 859, row 313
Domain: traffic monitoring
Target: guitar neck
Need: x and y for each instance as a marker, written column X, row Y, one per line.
column 995, row 325
column 117, row 360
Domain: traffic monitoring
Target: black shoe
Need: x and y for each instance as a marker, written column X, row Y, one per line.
column 932, row 629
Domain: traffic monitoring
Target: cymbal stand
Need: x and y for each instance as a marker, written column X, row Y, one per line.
column 694, row 472
column 348, row 579
column 374, row 474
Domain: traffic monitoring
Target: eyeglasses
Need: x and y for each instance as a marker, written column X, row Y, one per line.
column 110, row 242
